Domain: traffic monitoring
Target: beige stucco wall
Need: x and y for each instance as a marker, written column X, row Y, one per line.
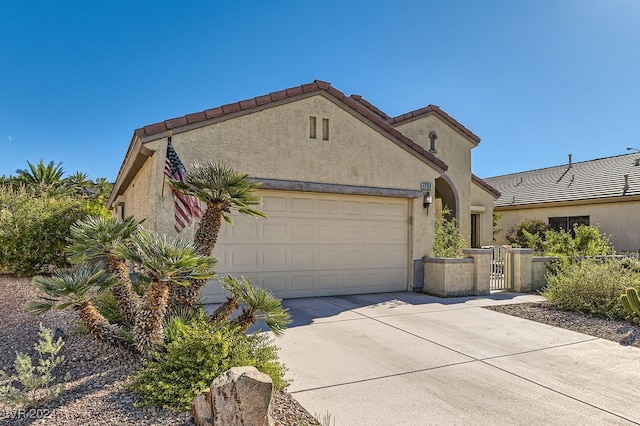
column 481, row 198
column 137, row 198
column 274, row 143
column 455, row 150
column 620, row 220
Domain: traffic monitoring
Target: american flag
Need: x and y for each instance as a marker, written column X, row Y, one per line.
column 186, row 208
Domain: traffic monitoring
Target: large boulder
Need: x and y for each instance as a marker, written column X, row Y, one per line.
column 239, row 396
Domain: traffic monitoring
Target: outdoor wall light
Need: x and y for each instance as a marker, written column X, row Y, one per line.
column 427, row 200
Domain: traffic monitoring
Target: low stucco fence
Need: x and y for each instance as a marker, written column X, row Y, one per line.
column 471, row 275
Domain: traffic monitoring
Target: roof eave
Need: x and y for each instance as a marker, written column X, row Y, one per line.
column 436, row 110
column 484, row 185
column 136, row 156
column 226, row 112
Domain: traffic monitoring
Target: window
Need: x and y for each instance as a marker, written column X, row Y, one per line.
column 312, row 127
column 120, row 210
column 567, row 223
column 475, row 230
column 432, row 138
column 325, row 129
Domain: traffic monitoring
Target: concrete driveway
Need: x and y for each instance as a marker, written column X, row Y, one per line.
column 412, row 359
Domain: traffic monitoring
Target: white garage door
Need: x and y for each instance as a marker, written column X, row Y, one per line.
column 316, row 245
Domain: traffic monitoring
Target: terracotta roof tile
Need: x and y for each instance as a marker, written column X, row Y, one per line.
column 196, row 117
column 310, row 87
column 370, row 106
column 230, row 108
column 281, row 94
column 293, row 91
column 155, row 128
column 214, row 112
column 261, row 100
column 434, row 109
column 249, row 103
column 175, row 122
column 358, row 104
column 485, row 185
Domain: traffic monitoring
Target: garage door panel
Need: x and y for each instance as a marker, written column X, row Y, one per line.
column 274, row 204
column 272, row 231
column 303, row 257
column 244, row 258
column 275, row 258
column 317, row 244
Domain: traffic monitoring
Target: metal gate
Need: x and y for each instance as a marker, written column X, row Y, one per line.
column 499, row 268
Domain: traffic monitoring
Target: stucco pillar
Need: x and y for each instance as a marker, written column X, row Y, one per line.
column 481, row 269
column 521, row 269
column 539, row 271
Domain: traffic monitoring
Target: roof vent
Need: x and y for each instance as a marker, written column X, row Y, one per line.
column 570, row 162
column 626, row 182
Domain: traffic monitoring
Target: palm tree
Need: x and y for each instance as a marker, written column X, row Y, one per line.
column 79, row 183
column 258, row 304
column 165, row 261
column 44, row 179
column 96, row 237
column 75, row 287
column 221, row 189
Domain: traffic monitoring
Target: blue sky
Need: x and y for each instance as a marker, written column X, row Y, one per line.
column 535, row 79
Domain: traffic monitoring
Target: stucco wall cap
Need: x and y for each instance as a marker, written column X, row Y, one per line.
column 427, row 259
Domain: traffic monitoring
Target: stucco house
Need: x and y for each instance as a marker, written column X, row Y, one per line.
column 604, row 192
column 343, row 184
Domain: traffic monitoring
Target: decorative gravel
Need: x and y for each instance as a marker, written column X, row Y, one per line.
column 95, row 393
column 623, row 332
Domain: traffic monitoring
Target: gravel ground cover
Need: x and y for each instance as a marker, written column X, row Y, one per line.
column 622, row 332
column 95, row 393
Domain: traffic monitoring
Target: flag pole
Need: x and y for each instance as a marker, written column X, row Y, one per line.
column 164, row 177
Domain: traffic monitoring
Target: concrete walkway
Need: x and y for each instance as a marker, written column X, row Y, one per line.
column 412, row 359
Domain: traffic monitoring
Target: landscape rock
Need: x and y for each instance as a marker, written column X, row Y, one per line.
column 242, row 396
column 201, row 409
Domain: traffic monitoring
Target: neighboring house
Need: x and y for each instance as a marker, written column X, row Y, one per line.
column 604, row 192
column 343, row 185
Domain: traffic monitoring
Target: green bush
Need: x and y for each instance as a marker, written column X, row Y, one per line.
column 529, row 234
column 586, row 241
column 591, row 286
column 33, row 230
column 196, row 352
column 448, row 241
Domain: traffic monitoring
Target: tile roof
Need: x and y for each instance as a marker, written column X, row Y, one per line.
column 587, row 180
column 371, row 106
column 433, row 109
column 485, row 185
column 356, row 103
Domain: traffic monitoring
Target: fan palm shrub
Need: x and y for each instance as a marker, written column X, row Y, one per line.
column 257, row 304
column 165, row 261
column 97, row 237
column 75, row 287
column 222, row 189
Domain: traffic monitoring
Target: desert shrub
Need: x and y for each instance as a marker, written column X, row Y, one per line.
column 529, row 234
column 585, row 241
column 33, row 230
column 591, row 286
column 34, row 382
column 196, row 352
column 448, row 241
